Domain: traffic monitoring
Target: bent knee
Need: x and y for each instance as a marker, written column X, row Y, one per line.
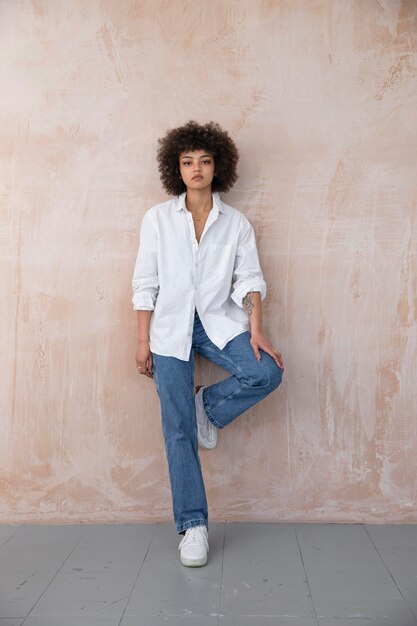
column 275, row 376
column 269, row 377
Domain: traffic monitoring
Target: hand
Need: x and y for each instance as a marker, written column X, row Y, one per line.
column 257, row 341
column 144, row 359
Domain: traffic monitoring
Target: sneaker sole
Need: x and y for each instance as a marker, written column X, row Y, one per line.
column 200, row 441
column 193, row 563
column 204, row 445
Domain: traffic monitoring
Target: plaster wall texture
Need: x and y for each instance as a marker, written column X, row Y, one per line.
column 321, row 99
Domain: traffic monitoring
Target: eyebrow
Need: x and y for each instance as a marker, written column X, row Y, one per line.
column 190, row 157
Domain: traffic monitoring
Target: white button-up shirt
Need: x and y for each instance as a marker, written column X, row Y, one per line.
column 175, row 274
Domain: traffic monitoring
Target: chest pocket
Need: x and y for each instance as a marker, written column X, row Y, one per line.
column 219, row 259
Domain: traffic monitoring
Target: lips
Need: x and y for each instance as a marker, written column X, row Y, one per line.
column 198, row 177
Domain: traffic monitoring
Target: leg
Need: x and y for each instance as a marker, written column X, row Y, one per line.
column 250, row 382
column 174, row 380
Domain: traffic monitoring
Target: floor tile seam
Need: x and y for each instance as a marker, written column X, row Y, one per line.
column 305, row 573
column 110, row 570
column 195, row 614
column 327, row 570
column 391, row 576
column 55, row 575
column 172, row 615
column 140, row 569
column 313, row 618
column 10, row 538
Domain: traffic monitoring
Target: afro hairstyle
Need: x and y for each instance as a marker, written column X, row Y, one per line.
column 194, row 136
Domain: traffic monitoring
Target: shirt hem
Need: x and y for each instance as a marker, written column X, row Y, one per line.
column 221, row 343
column 183, row 353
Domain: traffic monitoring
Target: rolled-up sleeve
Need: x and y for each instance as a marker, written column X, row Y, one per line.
column 247, row 272
column 145, row 282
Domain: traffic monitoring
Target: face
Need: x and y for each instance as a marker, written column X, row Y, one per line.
column 196, row 169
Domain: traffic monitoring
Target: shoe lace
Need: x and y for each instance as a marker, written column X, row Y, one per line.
column 196, row 534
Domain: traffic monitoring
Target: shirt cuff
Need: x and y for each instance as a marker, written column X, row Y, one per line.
column 238, row 294
column 143, row 302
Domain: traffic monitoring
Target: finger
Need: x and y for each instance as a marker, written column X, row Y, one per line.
column 280, row 361
column 276, row 356
column 150, row 365
column 257, row 353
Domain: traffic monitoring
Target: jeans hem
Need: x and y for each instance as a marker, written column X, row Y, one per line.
column 210, row 416
column 191, row 523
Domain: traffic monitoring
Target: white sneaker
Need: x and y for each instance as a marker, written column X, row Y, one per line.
column 206, row 430
column 194, row 546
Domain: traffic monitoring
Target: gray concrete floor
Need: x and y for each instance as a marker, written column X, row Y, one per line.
column 258, row 574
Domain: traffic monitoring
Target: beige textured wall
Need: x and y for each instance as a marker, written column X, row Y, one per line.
column 321, row 98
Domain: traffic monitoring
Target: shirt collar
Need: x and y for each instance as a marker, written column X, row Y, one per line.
column 217, row 203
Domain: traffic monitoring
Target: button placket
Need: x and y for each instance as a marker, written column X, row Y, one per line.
column 194, row 251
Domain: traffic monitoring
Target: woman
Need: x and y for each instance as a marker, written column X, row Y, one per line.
column 198, row 287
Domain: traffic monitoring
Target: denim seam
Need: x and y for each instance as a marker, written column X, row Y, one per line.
column 244, row 375
column 191, row 523
column 209, row 413
column 210, row 416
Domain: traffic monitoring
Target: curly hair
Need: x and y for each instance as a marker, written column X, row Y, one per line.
column 194, row 136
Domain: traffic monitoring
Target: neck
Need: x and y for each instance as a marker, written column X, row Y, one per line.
column 199, row 200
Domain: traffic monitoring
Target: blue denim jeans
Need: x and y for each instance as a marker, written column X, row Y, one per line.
column 250, row 382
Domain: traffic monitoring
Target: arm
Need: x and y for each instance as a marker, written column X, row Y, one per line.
column 145, row 280
column 145, row 285
column 143, row 351
column 249, row 289
column 253, row 305
column 247, row 272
